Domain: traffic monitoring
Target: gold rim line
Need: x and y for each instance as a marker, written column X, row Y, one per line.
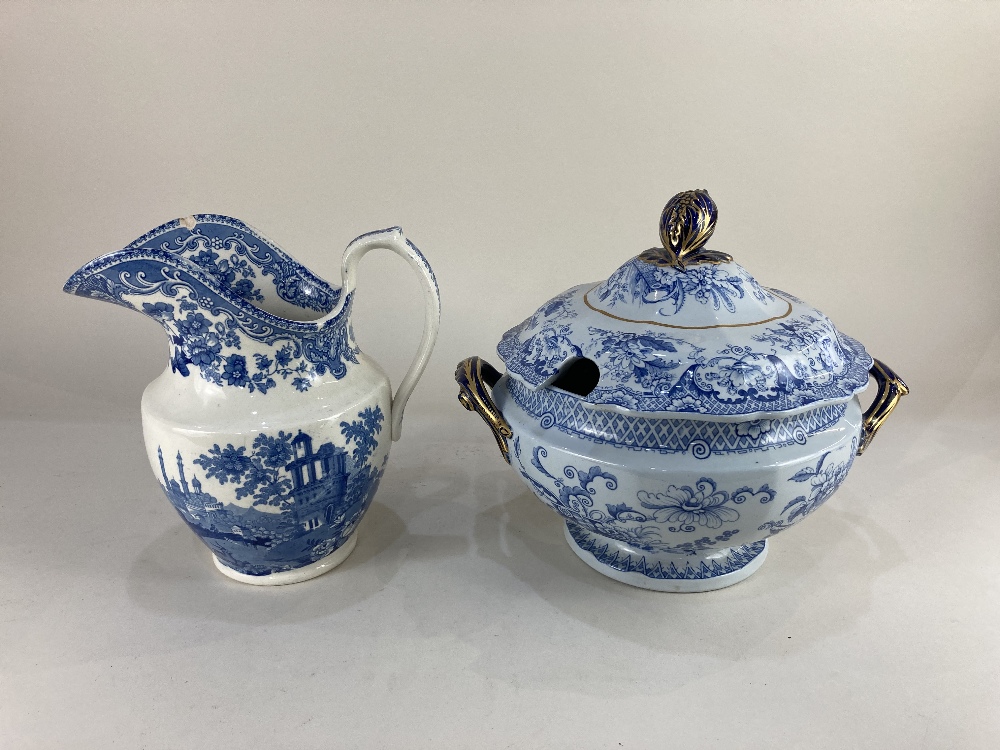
column 684, row 328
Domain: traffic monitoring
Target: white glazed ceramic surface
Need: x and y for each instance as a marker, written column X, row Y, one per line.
column 679, row 413
column 269, row 430
column 677, row 521
column 182, row 423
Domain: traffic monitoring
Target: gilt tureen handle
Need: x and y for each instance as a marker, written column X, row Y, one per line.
column 891, row 388
column 475, row 377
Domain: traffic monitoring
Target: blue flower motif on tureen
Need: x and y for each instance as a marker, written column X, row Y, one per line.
column 686, row 506
column 736, row 378
column 548, row 349
column 764, row 360
column 754, row 428
column 572, row 493
column 701, row 505
column 824, row 478
column 649, row 360
column 819, row 354
column 670, row 288
column 711, row 284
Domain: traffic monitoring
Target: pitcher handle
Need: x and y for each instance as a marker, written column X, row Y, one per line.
column 393, row 239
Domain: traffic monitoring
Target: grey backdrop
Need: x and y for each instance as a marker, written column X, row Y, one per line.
column 853, row 151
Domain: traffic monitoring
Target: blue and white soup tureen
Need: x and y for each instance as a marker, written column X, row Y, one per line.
column 678, row 414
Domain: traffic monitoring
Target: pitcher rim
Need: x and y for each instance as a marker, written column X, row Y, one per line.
column 135, row 251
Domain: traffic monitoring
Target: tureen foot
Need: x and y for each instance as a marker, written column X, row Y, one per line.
column 703, row 571
column 318, row 568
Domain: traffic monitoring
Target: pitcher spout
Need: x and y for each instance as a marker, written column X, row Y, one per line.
column 238, row 311
column 240, row 262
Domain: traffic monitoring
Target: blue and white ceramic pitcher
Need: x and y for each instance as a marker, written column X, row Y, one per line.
column 269, row 429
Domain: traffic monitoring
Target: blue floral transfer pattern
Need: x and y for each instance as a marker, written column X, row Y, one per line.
column 676, row 509
column 572, row 416
column 201, row 285
column 669, row 289
column 212, row 345
column 549, row 349
column 774, row 366
column 824, row 478
column 735, row 559
column 239, row 258
column 819, row 353
column 685, row 518
column 649, row 360
column 287, row 503
column 684, row 508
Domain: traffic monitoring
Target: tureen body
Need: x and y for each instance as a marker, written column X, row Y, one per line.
column 679, row 414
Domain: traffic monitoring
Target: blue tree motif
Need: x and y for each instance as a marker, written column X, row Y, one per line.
column 264, row 482
column 362, row 485
column 274, row 452
column 362, row 433
column 258, row 473
column 227, row 464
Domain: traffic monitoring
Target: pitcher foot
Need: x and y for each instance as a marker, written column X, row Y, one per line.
column 318, row 568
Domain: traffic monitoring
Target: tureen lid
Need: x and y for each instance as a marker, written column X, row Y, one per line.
column 684, row 329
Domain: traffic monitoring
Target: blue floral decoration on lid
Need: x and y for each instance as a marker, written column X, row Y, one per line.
column 683, row 329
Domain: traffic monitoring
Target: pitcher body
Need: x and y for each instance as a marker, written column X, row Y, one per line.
column 269, row 430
